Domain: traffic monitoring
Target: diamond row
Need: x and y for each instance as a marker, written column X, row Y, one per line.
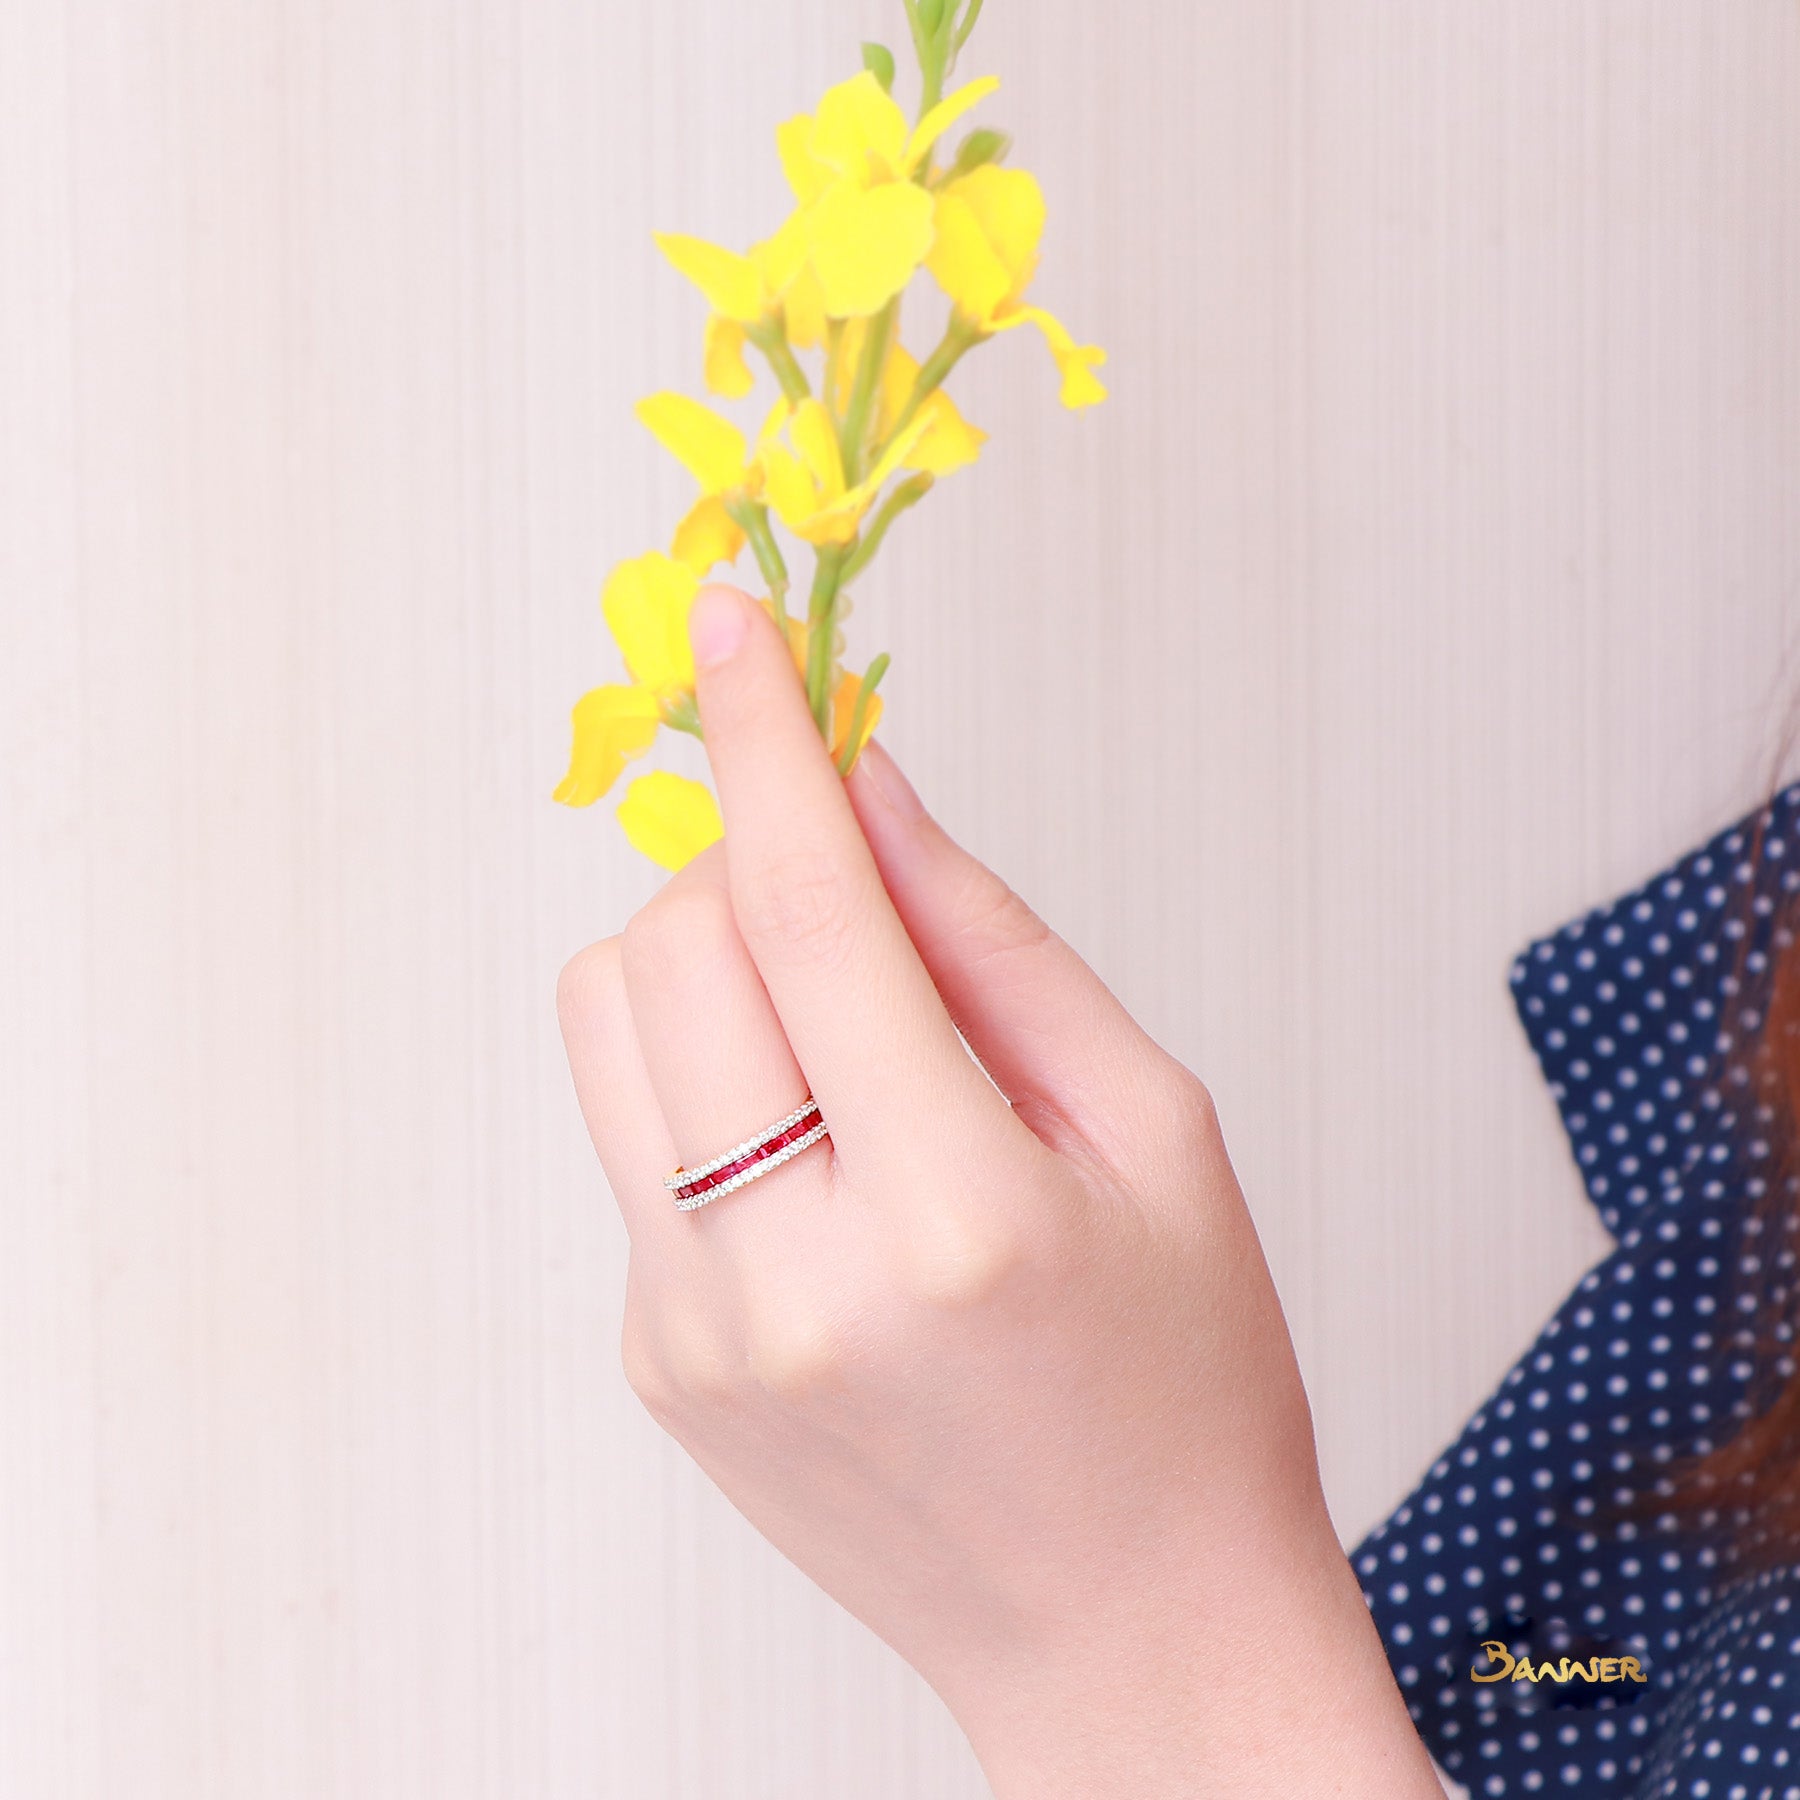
column 682, row 1177
column 774, row 1160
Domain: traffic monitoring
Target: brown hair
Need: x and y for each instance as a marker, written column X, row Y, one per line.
column 1742, row 1483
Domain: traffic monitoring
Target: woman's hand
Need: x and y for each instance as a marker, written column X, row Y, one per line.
column 1010, row 1381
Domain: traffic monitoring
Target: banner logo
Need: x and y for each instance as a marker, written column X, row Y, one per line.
column 1503, row 1666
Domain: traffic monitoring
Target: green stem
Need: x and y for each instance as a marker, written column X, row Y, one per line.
column 821, row 630
column 858, row 713
column 959, row 338
column 857, row 414
column 909, row 493
column 787, row 371
column 921, row 42
column 968, row 25
column 682, row 715
column 834, row 338
column 752, row 518
column 931, row 87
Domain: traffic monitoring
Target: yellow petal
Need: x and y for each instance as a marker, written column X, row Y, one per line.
column 859, row 130
column 803, row 311
column 815, row 437
column 834, row 520
column 778, row 415
column 843, row 711
column 948, row 442
column 781, row 257
column 897, row 453
column 796, row 633
column 707, row 535
column 897, row 377
column 670, row 818
column 1076, row 362
column 835, row 524
column 942, row 116
column 866, row 243
column 612, row 724
column 805, row 175
column 841, row 366
column 964, row 264
column 732, row 284
column 1009, row 205
column 727, row 373
column 803, row 477
column 646, row 602
column 790, row 489
column 710, row 448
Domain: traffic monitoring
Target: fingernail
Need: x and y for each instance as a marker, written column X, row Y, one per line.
column 718, row 621
column 890, row 784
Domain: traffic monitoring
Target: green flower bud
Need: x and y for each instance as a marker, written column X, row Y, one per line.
column 982, row 146
column 878, row 59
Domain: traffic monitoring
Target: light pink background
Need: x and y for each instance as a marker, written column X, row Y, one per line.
column 1429, row 577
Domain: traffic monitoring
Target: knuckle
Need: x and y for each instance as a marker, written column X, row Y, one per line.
column 1194, row 1116
column 805, row 901
column 956, row 1264
column 797, row 1354
column 996, row 920
column 685, row 926
column 701, row 1373
column 677, row 1366
column 585, row 979
column 645, row 1372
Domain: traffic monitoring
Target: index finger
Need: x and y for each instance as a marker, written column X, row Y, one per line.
column 867, row 1026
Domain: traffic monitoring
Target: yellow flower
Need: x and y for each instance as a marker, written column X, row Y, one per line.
column 989, row 224
column 948, row 441
column 716, row 454
column 769, row 289
column 670, row 818
column 853, row 166
column 803, row 474
column 646, row 603
column 612, row 724
column 860, row 134
column 873, row 204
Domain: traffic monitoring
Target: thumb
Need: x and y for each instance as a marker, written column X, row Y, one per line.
column 1074, row 1063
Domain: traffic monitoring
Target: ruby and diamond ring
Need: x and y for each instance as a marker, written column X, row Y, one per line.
column 743, row 1163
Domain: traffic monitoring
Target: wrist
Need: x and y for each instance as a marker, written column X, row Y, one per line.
column 1267, row 1678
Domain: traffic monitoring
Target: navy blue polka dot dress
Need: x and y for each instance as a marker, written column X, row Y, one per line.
column 1523, row 1534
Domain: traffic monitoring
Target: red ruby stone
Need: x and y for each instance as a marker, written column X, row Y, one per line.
column 705, row 1183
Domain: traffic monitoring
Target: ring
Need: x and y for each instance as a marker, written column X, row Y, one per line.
column 732, row 1169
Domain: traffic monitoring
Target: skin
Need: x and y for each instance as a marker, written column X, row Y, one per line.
column 1010, row 1381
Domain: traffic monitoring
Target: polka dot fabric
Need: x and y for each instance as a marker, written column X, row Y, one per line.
column 1640, row 1013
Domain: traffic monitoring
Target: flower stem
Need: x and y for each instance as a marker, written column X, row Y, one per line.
column 858, row 713
column 857, row 413
column 834, row 337
column 782, row 362
column 959, row 337
column 909, row 493
column 821, row 632
column 752, row 518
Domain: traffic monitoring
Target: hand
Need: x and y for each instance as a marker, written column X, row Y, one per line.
column 1010, row 1381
